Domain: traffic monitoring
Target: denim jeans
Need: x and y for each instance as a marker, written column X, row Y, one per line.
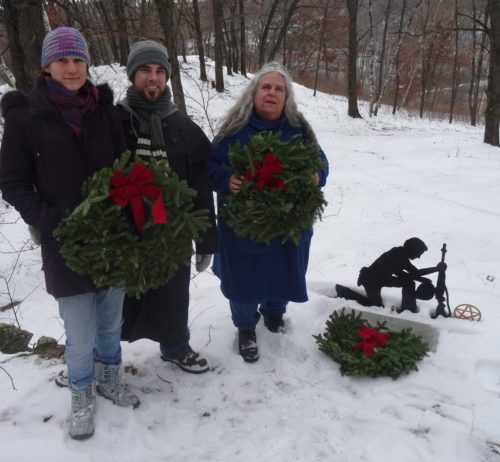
column 93, row 323
column 173, row 350
column 246, row 315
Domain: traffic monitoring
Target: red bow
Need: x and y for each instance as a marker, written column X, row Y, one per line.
column 370, row 339
column 265, row 172
column 132, row 188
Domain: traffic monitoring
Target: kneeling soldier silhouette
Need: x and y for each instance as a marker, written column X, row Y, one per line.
column 394, row 269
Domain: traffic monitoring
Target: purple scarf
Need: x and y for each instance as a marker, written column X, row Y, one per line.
column 73, row 107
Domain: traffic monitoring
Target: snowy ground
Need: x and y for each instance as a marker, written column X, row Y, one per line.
column 391, row 179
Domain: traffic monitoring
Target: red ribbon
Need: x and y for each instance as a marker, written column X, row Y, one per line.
column 370, row 339
column 132, row 188
column 265, row 173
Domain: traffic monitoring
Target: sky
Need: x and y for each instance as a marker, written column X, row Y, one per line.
column 391, row 178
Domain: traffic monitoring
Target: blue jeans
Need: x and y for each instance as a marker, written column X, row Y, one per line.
column 93, row 323
column 173, row 350
column 246, row 315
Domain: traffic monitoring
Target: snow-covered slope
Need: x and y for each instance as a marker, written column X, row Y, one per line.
column 391, row 178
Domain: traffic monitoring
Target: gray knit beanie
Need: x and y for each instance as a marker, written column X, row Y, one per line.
column 147, row 52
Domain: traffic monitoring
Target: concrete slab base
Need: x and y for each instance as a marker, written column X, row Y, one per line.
column 429, row 334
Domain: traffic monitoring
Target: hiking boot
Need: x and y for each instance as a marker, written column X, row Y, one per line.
column 189, row 361
column 109, row 385
column 82, row 412
column 275, row 323
column 247, row 344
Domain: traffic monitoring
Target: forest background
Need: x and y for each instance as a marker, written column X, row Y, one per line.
column 437, row 58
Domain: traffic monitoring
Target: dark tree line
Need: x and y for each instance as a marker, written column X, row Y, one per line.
column 430, row 57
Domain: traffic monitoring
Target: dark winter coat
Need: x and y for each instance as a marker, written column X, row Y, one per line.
column 253, row 272
column 162, row 314
column 43, row 166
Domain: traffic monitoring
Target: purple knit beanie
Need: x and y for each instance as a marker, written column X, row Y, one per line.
column 64, row 42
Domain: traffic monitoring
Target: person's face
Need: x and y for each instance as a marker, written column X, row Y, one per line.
column 71, row 73
column 150, row 81
column 269, row 99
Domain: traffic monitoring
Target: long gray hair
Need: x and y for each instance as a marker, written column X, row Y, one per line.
column 239, row 114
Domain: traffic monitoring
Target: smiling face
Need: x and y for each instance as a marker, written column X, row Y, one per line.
column 71, row 73
column 270, row 97
column 150, row 81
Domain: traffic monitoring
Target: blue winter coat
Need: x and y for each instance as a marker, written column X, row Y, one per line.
column 253, row 272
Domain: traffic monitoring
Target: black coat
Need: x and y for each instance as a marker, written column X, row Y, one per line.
column 43, row 166
column 162, row 314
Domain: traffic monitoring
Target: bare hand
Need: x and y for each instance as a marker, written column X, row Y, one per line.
column 234, row 184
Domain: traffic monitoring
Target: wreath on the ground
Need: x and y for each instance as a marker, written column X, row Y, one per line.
column 280, row 197
column 134, row 227
column 363, row 350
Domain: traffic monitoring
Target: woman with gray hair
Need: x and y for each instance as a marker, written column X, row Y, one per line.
column 260, row 278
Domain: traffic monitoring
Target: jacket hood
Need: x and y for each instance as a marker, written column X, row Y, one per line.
column 13, row 99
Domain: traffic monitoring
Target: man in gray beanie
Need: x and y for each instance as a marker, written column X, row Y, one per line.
column 153, row 127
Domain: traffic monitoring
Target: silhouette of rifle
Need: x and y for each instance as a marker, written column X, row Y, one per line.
column 441, row 289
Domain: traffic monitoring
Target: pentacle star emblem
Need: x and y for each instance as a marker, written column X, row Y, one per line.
column 468, row 312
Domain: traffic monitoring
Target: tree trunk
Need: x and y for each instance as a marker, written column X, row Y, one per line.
column 454, row 82
column 227, row 46
column 426, row 55
column 352, row 91
column 199, row 41
column 243, row 42
column 320, row 45
column 121, row 28
column 166, row 12
column 265, row 32
column 492, row 115
column 382, row 57
column 218, row 17
column 234, row 41
column 477, row 69
column 371, row 59
column 25, row 30
column 283, row 30
column 397, row 82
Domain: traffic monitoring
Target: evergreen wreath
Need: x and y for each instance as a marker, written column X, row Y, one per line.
column 134, row 227
column 280, row 197
column 363, row 350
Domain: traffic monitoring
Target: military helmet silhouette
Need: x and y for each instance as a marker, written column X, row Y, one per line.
column 415, row 246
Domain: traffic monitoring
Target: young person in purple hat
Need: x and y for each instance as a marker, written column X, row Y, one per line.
column 55, row 137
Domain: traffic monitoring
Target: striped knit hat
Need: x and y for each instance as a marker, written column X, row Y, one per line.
column 64, row 42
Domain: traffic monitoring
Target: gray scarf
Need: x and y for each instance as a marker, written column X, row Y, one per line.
column 151, row 114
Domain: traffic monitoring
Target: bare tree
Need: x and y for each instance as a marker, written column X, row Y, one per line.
column 320, row 44
column 352, row 80
column 25, row 30
column 243, row 41
column 283, row 29
column 167, row 14
column 265, row 32
column 219, row 44
column 492, row 115
column 477, row 59
column 454, row 82
column 199, row 40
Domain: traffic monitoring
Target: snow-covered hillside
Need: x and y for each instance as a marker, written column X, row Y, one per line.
column 391, row 178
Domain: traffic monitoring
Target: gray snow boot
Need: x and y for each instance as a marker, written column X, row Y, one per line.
column 109, row 385
column 82, row 412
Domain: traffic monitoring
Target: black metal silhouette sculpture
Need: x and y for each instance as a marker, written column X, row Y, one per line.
column 394, row 269
column 441, row 290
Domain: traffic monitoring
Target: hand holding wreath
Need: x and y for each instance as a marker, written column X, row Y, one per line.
column 134, row 227
column 278, row 195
